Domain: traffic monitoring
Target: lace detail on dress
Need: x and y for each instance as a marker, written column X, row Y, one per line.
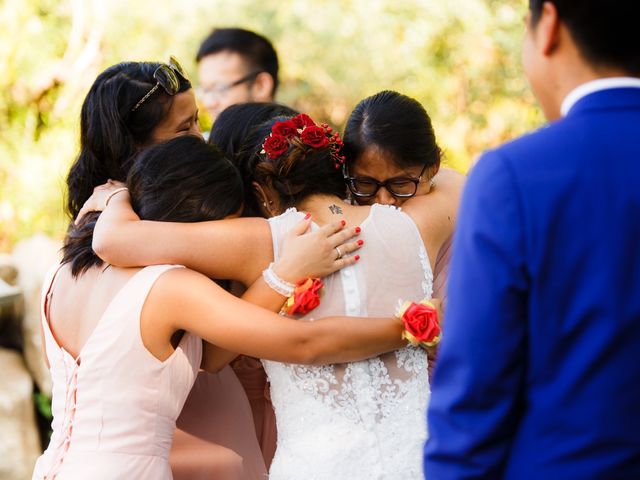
column 361, row 420
column 427, row 282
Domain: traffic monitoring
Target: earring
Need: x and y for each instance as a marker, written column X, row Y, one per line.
column 264, row 204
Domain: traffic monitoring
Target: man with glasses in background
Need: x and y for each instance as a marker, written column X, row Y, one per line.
column 236, row 66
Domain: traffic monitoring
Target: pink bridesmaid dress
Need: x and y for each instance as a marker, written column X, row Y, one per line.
column 216, row 438
column 115, row 406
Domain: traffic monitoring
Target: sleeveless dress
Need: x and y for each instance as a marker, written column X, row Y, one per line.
column 115, row 406
column 361, row 420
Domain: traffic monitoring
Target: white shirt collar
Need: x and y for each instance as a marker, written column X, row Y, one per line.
column 595, row 86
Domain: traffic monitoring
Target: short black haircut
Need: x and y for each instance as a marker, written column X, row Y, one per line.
column 605, row 31
column 257, row 50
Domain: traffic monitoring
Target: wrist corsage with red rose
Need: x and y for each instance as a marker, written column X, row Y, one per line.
column 421, row 323
column 305, row 297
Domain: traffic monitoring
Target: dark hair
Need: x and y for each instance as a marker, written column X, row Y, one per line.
column 110, row 133
column 256, row 50
column 605, row 31
column 397, row 125
column 296, row 174
column 181, row 180
column 230, row 131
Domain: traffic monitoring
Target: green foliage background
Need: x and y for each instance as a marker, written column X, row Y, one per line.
column 460, row 58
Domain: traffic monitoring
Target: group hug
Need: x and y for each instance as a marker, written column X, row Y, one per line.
column 278, row 292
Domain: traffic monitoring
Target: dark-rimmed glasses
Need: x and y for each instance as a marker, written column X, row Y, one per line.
column 222, row 89
column 402, row 187
column 168, row 77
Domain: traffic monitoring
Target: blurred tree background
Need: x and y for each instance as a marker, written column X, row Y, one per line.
column 460, row 58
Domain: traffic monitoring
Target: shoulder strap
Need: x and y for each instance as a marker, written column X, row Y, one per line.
column 47, row 293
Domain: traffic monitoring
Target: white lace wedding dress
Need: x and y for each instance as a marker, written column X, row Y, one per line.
column 361, row 420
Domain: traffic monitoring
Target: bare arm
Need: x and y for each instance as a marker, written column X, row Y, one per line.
column 215, row 358
column 185, row 300
column 238, row 249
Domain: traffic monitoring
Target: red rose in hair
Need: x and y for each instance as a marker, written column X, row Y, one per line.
column 314, row 137
column 305, row 298
column 421, row 323
column 286, row 129
column 303, row 120
column 275, row 145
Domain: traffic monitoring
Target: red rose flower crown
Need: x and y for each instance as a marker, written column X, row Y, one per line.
column 303, row 128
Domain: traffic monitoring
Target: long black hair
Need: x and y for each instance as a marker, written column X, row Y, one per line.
column 181, row 180
column 233, row 128
column 396, row 124
column 110, row 132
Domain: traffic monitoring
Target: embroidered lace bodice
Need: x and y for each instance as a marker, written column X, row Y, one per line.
column 360, row 420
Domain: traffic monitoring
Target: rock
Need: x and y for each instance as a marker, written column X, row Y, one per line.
column 19, row 442
column 33, row 258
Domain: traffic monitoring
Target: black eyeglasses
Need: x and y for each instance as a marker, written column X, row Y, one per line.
column 168, row 77
column 402, row 187
column 222, row 89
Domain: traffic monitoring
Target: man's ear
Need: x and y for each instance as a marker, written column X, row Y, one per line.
column 547, row 30
column 262, row 88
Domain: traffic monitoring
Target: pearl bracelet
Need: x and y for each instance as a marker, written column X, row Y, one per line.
column 277, row 284
column 112, row 194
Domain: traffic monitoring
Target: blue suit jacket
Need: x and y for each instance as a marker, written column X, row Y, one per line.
column 539, row 370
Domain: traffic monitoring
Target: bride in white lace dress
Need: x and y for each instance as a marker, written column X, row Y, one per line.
column 361, row 420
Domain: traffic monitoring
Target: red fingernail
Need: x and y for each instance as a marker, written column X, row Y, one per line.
column 343, row 223
column 307, row 216
column 357, row 257
column 358, row 229
column 360, row 242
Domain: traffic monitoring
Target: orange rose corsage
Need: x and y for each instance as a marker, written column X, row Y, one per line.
column 306, row 297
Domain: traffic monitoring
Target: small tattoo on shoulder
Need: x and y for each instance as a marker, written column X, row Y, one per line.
column 335, row 209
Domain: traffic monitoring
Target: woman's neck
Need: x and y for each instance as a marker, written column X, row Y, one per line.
column 329, row 208
column 323, row 208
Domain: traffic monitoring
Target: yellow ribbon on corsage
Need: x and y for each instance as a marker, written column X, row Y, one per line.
column 306, row 297
column 421, row 323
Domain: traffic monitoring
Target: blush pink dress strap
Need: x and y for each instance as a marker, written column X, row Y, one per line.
column 115, row 405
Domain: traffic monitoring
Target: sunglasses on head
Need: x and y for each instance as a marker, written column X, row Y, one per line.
column 168, row 77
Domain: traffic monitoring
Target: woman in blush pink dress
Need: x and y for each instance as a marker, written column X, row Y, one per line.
column 124, row 345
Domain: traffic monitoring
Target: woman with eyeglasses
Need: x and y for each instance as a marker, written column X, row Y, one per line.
column 392, row 156
column 343, row 420
column 131, row 107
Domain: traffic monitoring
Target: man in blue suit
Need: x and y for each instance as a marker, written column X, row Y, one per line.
column 539, row 369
